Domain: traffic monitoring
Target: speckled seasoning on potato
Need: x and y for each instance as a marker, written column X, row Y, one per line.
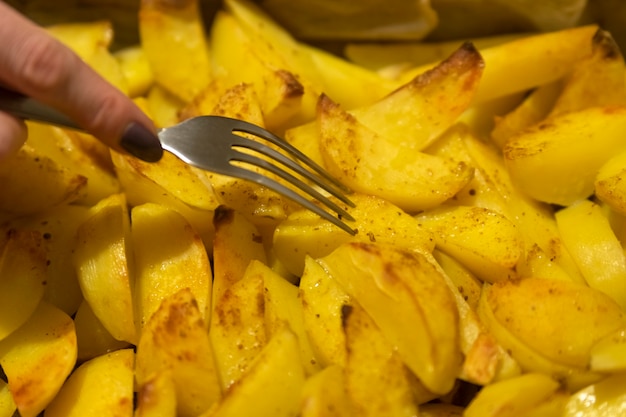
column 487, row 276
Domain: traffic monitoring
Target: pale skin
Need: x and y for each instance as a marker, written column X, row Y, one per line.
column 35, row 64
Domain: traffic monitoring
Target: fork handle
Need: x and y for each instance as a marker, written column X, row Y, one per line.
column 28, row 108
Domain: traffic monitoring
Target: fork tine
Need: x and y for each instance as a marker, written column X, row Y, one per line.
column 245, row 127
column 240, row 141
column 261, row 163
column 282, row 189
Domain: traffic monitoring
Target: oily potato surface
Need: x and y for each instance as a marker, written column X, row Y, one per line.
column 486, row 276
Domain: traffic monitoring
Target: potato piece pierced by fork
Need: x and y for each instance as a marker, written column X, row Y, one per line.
column 170, row 183
column 375, row 219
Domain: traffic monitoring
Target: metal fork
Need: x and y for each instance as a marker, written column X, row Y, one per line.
column 212, row 144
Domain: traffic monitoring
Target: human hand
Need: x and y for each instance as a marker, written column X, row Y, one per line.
column 34, row 63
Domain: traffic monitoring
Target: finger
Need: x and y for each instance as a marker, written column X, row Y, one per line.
column 36, row 64
column 12, row 135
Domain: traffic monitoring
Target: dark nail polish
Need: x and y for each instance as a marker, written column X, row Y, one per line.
column 141, row 143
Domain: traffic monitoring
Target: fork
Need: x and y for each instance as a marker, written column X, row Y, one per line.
column 211, row 143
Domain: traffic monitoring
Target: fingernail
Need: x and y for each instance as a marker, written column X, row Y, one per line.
column 141, row 143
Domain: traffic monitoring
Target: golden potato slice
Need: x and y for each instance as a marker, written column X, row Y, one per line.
column 466, row 282
column 38, row 357
column 170, row 183
column 324, row 394
column 597, row 80
column 173, row 32
column 57, row 227
column 531, row 111
column 235, row 60
column 537, row 263
column 175, row 339
column 587, row 234
column 377, row 380
column 322, row 302
column 237, row 243
column 157, row 397
column 480, row 118
column 91, row 41
column 493, row 188
column 370, row 163
column 528, row 62
column 7, row 405
column 528, row 358
column 557, row 160
column 135, row 69
column 408, row 298
column 92, row 337
column 605, row 397
column 22, row 279
column 237, row 330
column 351, row 85
column 277, row 49
column 513, row 397
column 318, row 71
column 271, row 387
column 103, row 260
column 483, row 240
column 80, row 154
column 283, row 307
column 101, row 386
column 259, row 204
column 415, row 114
column 546, row 316
column 609, row 186
column 163, row 107
column 376, row 220
column 169, row 255
column 176, row 178
column 609, row 353
column 49, row 183
column 484, row 359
